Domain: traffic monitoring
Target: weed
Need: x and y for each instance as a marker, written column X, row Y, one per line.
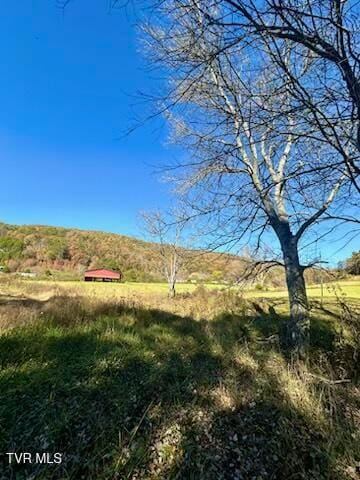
column 196, row 388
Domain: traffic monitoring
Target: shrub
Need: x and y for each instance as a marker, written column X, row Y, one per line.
column 10, row 249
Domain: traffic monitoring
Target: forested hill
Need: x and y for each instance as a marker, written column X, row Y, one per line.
column 66, row 253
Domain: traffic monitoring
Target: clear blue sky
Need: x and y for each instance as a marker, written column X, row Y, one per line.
column 65, row 86
column 65, row 93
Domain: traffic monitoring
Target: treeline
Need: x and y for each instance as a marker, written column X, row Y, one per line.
column 67, row 253
column 351, row 265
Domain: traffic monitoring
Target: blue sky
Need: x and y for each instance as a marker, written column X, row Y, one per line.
column 66, row 93
column 65, row 87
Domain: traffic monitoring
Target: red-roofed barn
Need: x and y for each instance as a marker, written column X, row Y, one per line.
column 102, row 275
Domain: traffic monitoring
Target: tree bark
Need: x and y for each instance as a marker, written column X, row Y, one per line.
column 172, row 290
column 297, row 329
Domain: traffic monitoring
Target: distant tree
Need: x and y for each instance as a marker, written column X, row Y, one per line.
column 217, row 275
column 3, row 230
column 12, row 265
column 352, row 264
column 167, row 234
column 57, row 248
column 10, row 248
column 110, row 263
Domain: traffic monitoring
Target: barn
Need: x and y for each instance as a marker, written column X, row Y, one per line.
column 102, row 275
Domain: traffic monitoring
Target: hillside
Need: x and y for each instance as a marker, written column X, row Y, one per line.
column 67, row 253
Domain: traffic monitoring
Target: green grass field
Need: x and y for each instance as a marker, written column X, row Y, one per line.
column 127, row 384
column 349, row 288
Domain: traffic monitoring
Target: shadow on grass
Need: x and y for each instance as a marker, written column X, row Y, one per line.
column 231, row 329
column 132, row 393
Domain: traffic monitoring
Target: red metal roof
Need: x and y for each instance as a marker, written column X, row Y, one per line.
column 103, row 273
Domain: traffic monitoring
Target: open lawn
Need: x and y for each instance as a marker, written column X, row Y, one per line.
column 348, row 288
column 127, row 384
column 343, row 288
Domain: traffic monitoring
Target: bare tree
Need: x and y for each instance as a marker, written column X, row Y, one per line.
column 322, row 39
column 250, row 171
column 167, row 236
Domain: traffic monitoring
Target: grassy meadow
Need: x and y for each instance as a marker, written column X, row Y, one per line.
column 44, row 288
column 128, row 384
